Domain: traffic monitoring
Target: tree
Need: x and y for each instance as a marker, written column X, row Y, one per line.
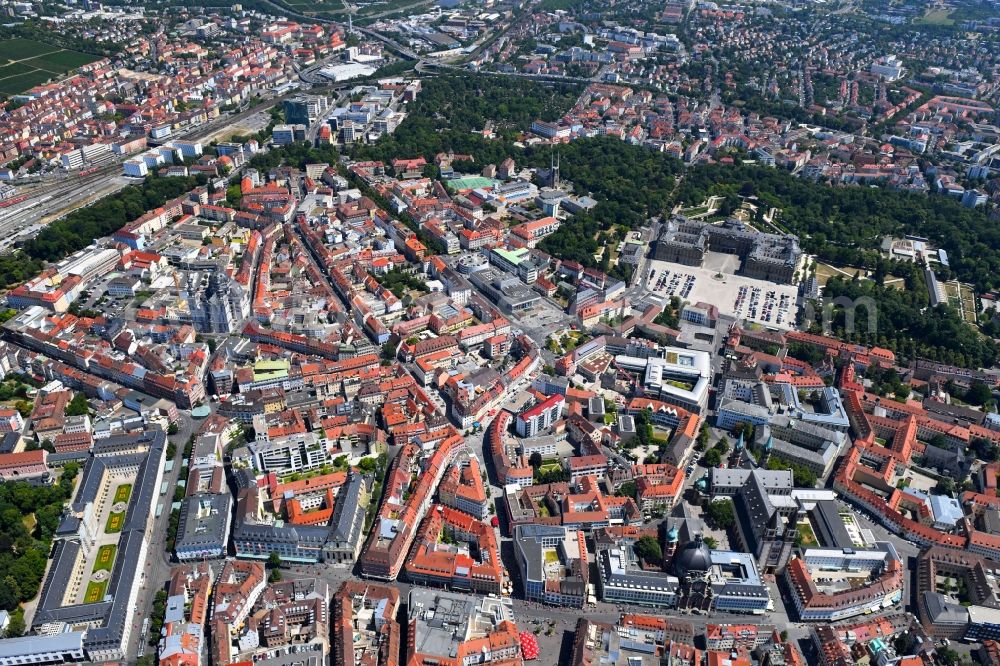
column 984, row 449
column 273, row 560
column 16, row 627
column 702, row 437
column 746, row 429
column 711, row 542
column 803, row 477
column 945, row 486
column 274, row 576
column 78, row 405
column 949, row 656
column 157, row 615
column 721, row 513
column 627, row 489
column 712, row 457
column 648, row 549
column 173, row 428
column 535, row 459
column 10, row 593
column 979, row 393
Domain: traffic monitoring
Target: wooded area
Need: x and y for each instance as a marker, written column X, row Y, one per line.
column 23, row 551
column 845, row 225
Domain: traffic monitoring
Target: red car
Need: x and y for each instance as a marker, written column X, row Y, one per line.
column 495, row 522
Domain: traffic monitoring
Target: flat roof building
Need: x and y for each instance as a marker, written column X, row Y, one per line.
column 552, row 561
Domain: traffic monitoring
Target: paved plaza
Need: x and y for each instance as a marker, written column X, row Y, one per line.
column 715, row 282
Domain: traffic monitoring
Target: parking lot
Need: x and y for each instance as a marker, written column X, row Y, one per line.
column 767, row 303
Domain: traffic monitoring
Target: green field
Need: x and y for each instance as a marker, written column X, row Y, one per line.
column 936, row 17
column 806, row 536
column 20, row 49
column 105, row 562
column 117, row 518
column 95, row 592
column 105, row 557
column 122, row 493
column 313, row 7
column 115, row 523
column 25, row 63
column 550, row 466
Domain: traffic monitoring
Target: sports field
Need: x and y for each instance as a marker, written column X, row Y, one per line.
column 25, row 63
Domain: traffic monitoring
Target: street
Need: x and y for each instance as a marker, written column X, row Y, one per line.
column 158, row 565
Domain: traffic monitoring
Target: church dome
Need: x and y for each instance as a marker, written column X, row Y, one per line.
column 694, row 558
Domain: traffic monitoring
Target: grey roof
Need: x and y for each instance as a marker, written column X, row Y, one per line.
column 961, row 412
column 619, row 567
column 529, row 544
column 941, row 611
column 736, row 574
column 24, row 646
column 209, row 530
column 626, row 424
column 9, row 442
column 991, row 521
column 753, row 509
column 437, row 620
column 807, row 434
column 60, row 571
column 348, row 514
column 243, row 478
column 68, row 526
column 688, row 525
column 774, row 480
column 294, row 534
column 118, row 444
column 760, row 395
column 109, row 618
column 819, row 459
column 742, row 408
column 59, row 459
column 832, row 533
column 100, row 460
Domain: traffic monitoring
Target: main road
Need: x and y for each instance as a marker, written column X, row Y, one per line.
column 156, row 572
